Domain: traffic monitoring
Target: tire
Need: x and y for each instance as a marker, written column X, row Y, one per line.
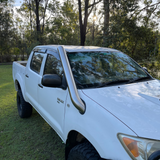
column 83, row 151
column 24, row 108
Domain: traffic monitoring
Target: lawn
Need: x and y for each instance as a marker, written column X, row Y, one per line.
column 24, row 139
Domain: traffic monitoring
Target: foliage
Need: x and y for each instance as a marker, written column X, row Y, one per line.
column 63, row 29
column 132, row 32
column 6, row 31
column 130, row 26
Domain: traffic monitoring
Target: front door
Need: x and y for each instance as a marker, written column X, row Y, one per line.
column 51, row 99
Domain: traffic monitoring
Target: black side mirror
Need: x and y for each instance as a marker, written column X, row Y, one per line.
column 145, row 69
column 51, row 80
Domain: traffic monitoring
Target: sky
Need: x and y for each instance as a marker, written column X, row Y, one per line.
column 18, row 3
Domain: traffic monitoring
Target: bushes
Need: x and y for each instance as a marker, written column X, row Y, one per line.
column 5, row 58
column 10, row 58
column 153, row 67
column 14, row 54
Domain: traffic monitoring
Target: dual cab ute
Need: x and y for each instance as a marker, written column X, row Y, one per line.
column 100, row 102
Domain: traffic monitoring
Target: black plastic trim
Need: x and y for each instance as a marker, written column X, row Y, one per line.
column 155, row 156
column 40, row 50
column 51, row 80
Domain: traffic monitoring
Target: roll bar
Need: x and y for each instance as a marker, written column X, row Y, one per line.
column 77, row 102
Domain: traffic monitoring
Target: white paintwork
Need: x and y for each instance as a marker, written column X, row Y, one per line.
column 132, row 109
column 47, row 98
column 99, row 127
column 137, row 105
column 18, row 72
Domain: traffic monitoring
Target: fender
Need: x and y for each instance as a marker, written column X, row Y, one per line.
column 96, row 125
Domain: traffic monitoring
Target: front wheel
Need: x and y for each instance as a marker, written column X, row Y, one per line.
column 24, row 108
column 83, row 151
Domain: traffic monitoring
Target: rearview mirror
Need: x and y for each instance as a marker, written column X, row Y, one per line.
column 51, row 80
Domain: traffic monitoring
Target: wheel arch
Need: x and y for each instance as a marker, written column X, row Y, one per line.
column 74, row 138
column 19, row 84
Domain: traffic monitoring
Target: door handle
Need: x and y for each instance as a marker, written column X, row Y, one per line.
column 27, row 76
column 40, row 85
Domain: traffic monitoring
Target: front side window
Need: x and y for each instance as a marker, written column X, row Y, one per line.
column 36, row 61
column 53, row 65
column 93, row 69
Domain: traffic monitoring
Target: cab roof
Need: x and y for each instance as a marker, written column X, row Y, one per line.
column 70, row 48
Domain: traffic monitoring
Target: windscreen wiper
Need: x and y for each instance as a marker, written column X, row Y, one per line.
column 112, row 82
column 139, row 79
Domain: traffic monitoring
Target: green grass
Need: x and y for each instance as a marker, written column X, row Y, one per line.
column 24, row 139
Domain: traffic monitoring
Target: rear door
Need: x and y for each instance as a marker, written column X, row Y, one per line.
column 32, row 75
column 52, row 99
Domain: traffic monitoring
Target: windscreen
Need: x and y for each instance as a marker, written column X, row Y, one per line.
column 93, row 68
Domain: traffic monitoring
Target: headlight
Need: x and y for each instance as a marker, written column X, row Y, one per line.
column 140, row 148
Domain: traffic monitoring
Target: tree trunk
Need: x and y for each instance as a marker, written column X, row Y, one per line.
column 80, row 22
column 106, row 19
column 85, row 21
column 44, row 13
column 134, row 48
column 93, row 32
column 30, row 7
column 37, row 19
column 83, row 26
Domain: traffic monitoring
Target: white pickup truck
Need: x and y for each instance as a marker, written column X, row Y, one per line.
column 100, row 102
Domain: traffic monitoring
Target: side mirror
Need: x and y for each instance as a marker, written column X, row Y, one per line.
column 51, row 80
column 145, row 69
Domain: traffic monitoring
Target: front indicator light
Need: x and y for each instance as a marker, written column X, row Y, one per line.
column 140, row 148
column 131, row 145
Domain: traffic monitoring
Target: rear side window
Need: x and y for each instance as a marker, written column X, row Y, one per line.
column 36, row 61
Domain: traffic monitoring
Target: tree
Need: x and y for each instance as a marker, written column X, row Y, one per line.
column 6, row 30
column 106, row 4
column 36, row 11
column 83, row 22
column 62, row 28
column 114, row 9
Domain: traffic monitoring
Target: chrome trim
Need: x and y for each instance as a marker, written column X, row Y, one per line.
column 70, row 81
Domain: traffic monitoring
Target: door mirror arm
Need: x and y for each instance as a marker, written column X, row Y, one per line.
column 64, row 83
